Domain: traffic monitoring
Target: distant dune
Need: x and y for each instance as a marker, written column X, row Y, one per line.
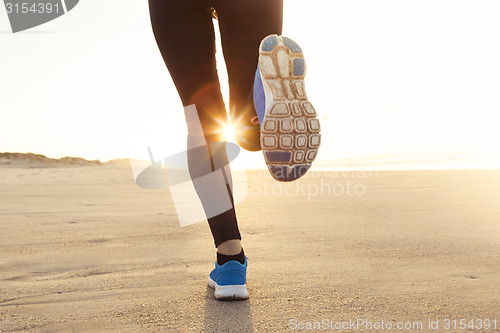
column 30, row 160
column 430, row 161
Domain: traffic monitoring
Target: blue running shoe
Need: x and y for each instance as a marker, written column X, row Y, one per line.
column 229, row 280
column 289, row 128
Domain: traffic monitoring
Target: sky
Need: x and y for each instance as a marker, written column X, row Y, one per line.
column 389, row 79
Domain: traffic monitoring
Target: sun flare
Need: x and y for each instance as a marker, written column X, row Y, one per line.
column 229, row 133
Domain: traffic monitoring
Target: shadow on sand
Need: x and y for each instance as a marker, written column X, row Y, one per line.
column 229, row 316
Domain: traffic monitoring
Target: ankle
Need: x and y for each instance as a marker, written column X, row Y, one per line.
column 230, row 247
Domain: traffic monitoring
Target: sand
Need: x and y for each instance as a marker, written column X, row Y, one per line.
column 85, row 249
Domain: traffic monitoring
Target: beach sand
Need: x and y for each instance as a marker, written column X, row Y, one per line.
column 85, row 249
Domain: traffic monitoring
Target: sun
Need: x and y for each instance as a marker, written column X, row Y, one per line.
column 229, row 133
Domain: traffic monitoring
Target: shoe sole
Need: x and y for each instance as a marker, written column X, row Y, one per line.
column 290, row 131
column 228, row 293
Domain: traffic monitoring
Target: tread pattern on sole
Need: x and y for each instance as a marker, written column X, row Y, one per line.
column 290, row 132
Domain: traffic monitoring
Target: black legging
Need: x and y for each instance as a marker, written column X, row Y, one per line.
column 185, row 35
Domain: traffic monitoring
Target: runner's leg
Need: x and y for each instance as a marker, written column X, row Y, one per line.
column 243, row 24
column 185, row 36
